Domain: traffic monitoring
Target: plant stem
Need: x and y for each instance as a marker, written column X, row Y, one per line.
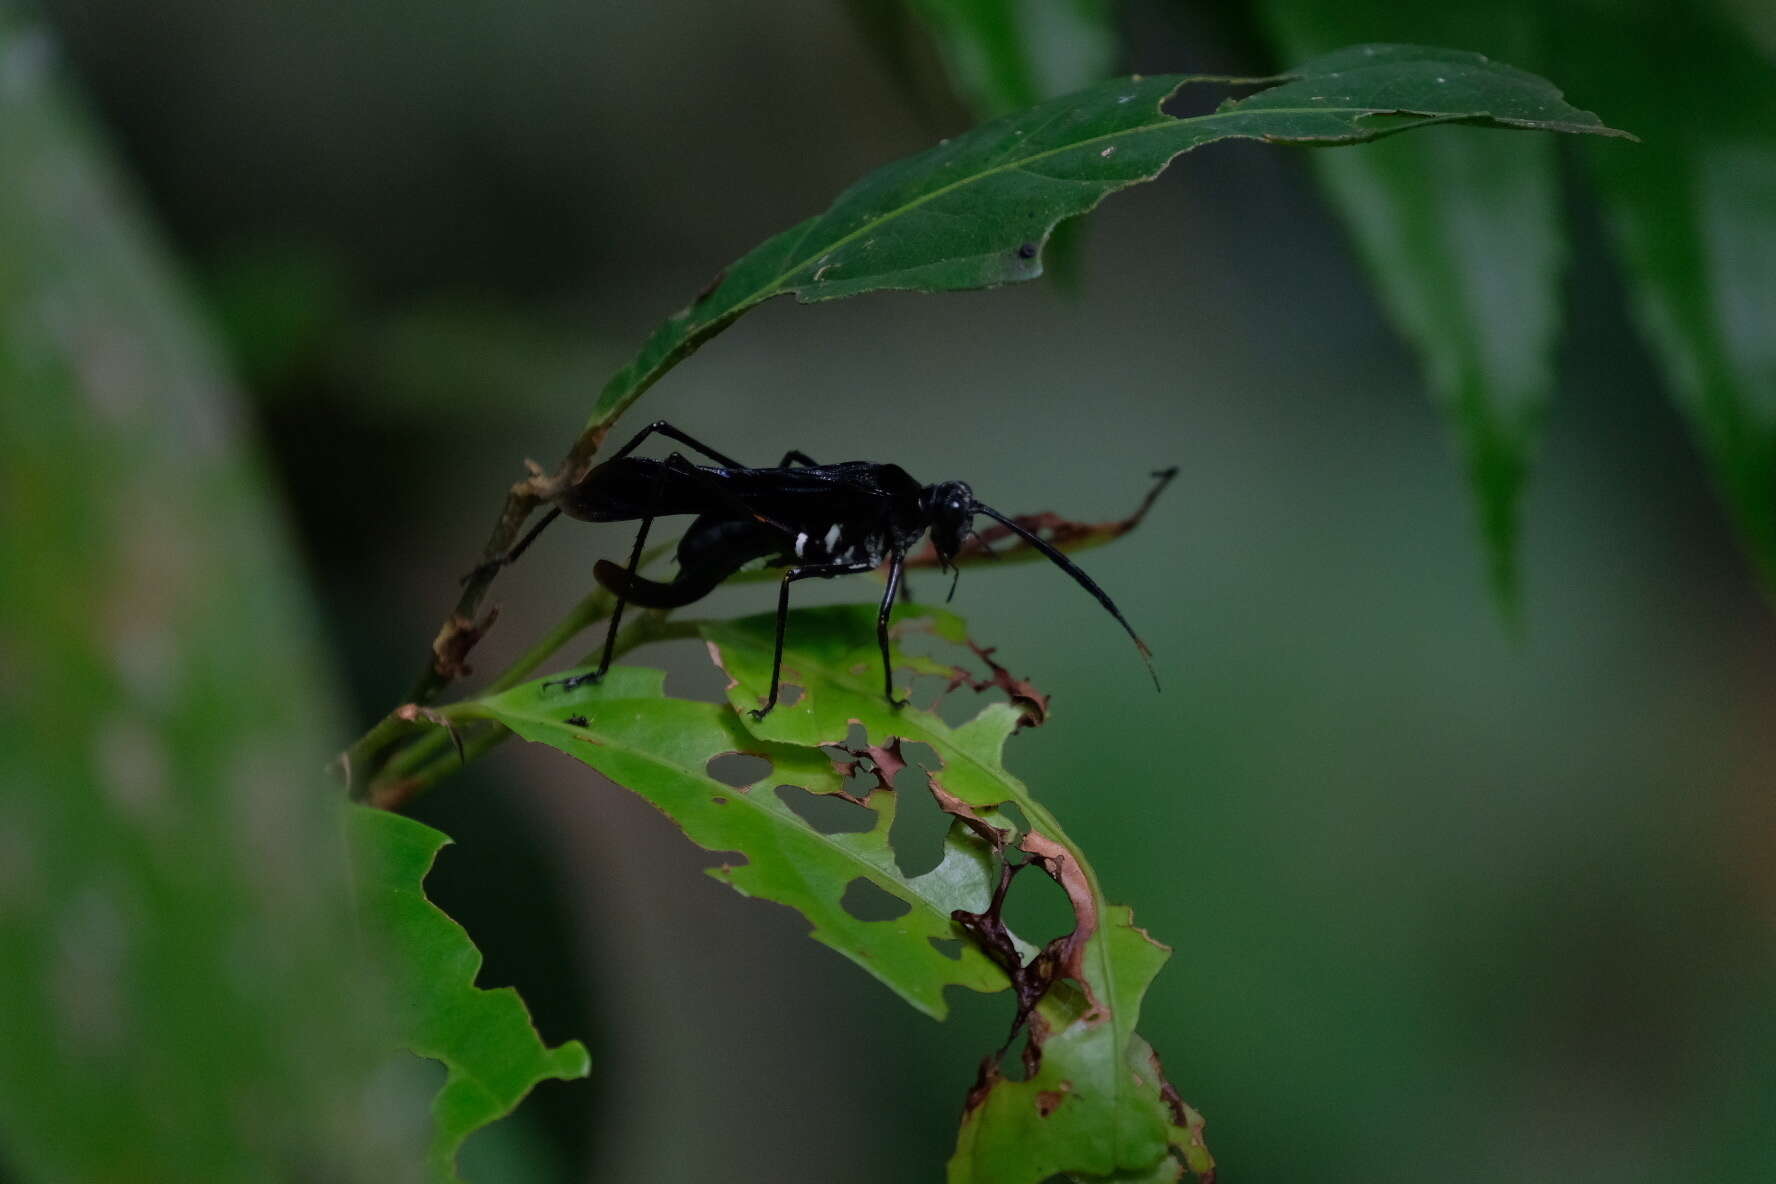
column 360, row 762
column 363, row 761
column 433, row 757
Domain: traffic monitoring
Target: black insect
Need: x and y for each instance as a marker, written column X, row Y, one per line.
column 816, row 520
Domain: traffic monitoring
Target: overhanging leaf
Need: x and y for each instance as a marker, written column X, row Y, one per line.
column 1462, row 236
column 1693, row 213
column 975, row 211
column 484, row 1038
column 1003, row 55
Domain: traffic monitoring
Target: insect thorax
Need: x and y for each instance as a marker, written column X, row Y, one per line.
column 840, row 542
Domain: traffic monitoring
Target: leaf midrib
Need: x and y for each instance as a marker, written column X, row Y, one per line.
column 745, row 796
column 1166, row 123
column 776, row 284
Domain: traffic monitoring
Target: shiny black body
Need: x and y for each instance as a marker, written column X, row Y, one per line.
column 816, row 520
column 856, row 514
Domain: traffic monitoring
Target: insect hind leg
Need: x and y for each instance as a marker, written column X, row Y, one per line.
column 616, row 620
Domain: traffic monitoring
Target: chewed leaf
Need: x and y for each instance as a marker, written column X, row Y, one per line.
column 484, row 1038
column 1096, row 1104
column 661, row 748
column 976, row 210
column 832, row 656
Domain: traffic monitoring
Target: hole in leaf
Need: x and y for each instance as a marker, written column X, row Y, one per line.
column 789, row 694
column 1193, row 101
column 869, row 901
column 960, row 706
column 949, row 947
column 738, row 769
column 955, row 708
column 917, row 835
column 732, row 861
column 694, row 676
column 1384, row 120
column 1037, row 908
column 827, row 813
column 862, row 781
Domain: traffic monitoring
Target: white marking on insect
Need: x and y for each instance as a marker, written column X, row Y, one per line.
column 832, row 537
column 801, row 541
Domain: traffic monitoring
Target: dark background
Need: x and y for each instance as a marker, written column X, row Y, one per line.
column 1449, row 902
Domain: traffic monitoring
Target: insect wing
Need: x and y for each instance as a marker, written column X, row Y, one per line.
column 634, row 487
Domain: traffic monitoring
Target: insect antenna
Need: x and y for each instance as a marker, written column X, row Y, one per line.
column 1079, row 577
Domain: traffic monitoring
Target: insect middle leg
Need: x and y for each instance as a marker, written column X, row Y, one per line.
column 822, row 570
column 887, row 610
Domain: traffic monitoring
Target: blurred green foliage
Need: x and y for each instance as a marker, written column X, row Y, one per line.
column 1464, row 234
column 484, row 1039
column 184, row 995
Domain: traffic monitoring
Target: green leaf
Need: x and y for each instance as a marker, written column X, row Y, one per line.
column 178, row 995
column 1462, row 236
column 1003, row 55
column 484, row 1038
column 661, row 749
column 1693, row 214
column 1091, row 1110
column 1098, row 1105
column 975, row 211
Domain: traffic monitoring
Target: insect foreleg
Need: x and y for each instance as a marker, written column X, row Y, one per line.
column 511, row 556
column 666, row 429
column 796, row 456
column 887, row 610
column 789, row 577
